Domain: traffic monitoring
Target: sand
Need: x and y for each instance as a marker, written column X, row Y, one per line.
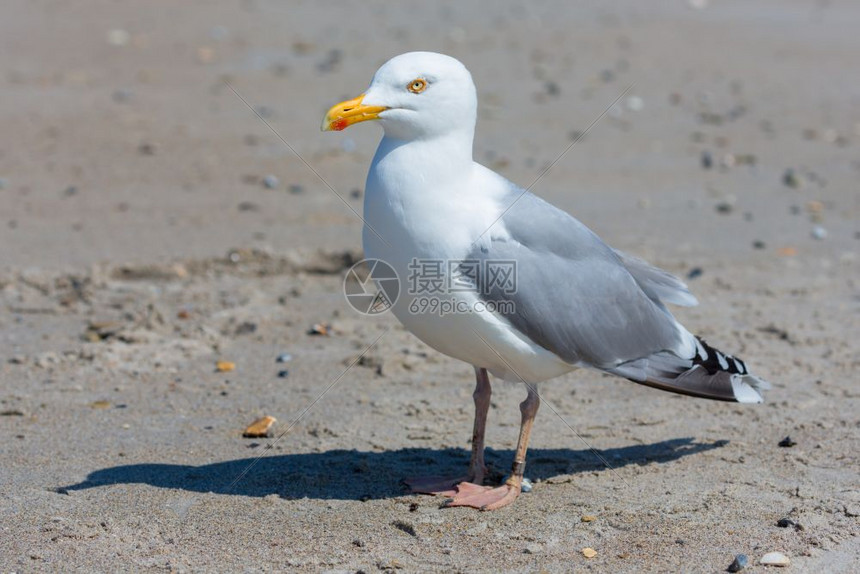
column 141, row 246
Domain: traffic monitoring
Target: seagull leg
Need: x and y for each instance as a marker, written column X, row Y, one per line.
column 482, row 394
column 485, row 498
column 477, row 470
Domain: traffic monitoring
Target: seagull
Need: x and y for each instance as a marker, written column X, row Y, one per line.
column 503, row 280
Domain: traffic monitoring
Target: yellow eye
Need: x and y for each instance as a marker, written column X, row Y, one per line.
column 417, row 86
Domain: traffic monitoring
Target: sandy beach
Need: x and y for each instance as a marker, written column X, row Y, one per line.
column 152, row 225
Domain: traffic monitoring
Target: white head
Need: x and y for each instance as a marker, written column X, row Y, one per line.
column 418, row 95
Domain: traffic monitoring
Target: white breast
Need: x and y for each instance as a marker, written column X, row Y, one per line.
column 433, row 217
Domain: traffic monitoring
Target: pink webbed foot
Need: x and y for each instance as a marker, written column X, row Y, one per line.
column 439, row 485
column 484, row 497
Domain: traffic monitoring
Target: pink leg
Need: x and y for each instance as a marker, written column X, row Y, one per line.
column 486, row 498
column 446, row 486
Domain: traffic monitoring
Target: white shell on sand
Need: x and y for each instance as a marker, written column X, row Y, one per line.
column 775, row 559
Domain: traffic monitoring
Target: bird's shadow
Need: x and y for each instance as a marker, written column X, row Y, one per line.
column 359, row 475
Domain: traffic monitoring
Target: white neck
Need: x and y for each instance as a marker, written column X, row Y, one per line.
column 416, row 163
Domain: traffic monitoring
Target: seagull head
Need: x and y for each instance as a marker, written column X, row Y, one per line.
column 418, row 95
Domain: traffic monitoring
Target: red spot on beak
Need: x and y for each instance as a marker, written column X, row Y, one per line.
column 339, row 125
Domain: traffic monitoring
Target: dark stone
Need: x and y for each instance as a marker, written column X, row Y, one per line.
column 739, row 563
column 404, row 527
column 787, row 442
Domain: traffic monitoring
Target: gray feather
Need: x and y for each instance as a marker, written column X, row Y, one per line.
column 659, row 285
column 574, row 295
column 594, row 306
column 672, row 373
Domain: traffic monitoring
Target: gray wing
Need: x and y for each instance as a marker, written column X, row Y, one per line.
column 573, row 294
column 659, row 285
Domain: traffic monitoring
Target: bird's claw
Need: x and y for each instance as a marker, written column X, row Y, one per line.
column 484, row 497
column 439, row 485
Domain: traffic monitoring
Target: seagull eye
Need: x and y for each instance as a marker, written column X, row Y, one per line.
column 417, row 86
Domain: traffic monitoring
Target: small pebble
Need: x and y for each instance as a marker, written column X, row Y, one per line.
column 264, row 111
column 225, row 366
column 588, row 518
column 787, row 442
column 589, row 552
column 707, row 160
column 205, row 54
column 739, row 563
column 724, row 208
column 245, row 328
column 533, row 548
column 635, row 103
column 283, row 374
column 526, row 486
column 694, row 272
column 284, row 358
column 819, row 232
column 787, row 522
column 323, row 329
column 814, row 206
column 271, row 182
column 296, row 189
column 791, row 179
column 260, row 428
column 759, row 244
column 775, row 559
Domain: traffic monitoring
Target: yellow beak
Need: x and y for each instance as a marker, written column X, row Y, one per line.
column 350, row 112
